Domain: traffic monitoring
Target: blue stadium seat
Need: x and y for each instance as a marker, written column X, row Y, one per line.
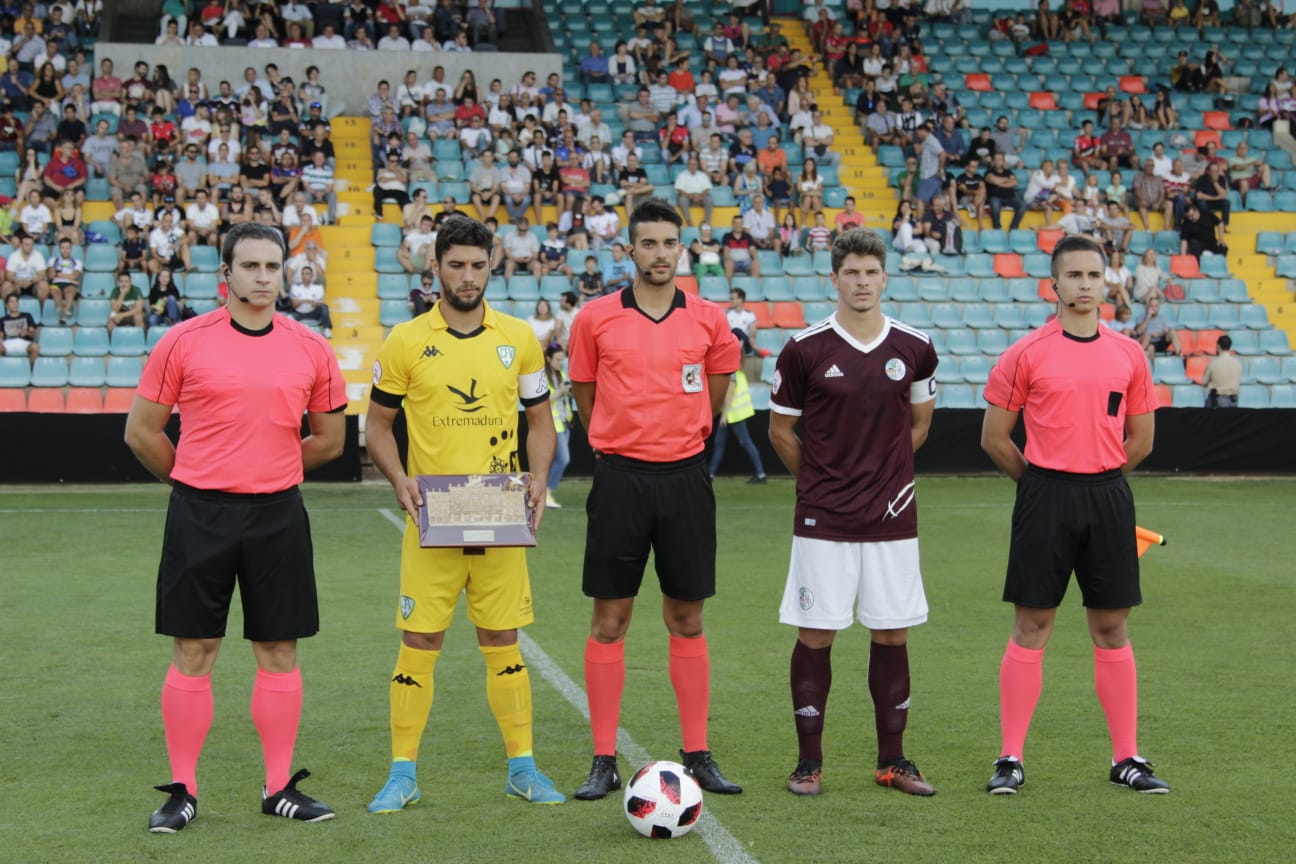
column 524, row 286
column 933, row 289
column 1264, row 370
column 90, row 342
column 1037, row 264
column 1168, row 370
column 201, row 286
column 385, row 260
column 50, row 372
column 947, row 316
column 994, row 290
column 979, row 316
column 1023, row 241
column 917, row 314
column 128, row 342
column 1234, row 291
column 15, row 372
column 101, row 258
column 961, row 342
column 965, row 290
column 714, row 288
column 385, row 234
column 1282, row 396
column 975, row 368
column 775, row 288
column 1253, row 396
column 86, row 372
column 1253, row 316
column 155, row 334
column 393, row 312
column 393, row 286
column 810, row 288
column 56, row 341
column 956, row 396
column 992, row 342
column 123, row 371
column 1223, row 316
column 205, row 259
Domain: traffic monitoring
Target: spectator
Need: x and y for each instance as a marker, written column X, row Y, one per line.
column 1199, row 233
column 951, row 141
column 1085, row 149
column 1116, row 147
column 202, row 219
column 1117, row 280
column 65, row 172
column 307, row 297
column 1247, row 172
column 1115, row 228
column 762, row 225
column 1150, row 194
column 1001, row 190
column 391, row 183
column 1212, row 193
column 1155, row 332
column 849, row 217
column 633, row 182
column 64, row 274
column 36, row 219
column 618, row 273
column 166, row 306
column 969, row 190
column 693, row 189
column 521, row 250
column 931, row 164
column 254, row 175
column 742, row 322
column 1009, row 140
column 11, row 129
column 553, row 254
column 547, row 328
column 943, row 234
column 1223, row 376
column 41, row 128
column 1041, row 190
column 590, row 281
column 133, row 254
column 127, row 304
column 18, row 331
column 603, row 223
column 169, row 245
column 1148, row 278
column 222, row 173
column 905, row 234
column 740, row 251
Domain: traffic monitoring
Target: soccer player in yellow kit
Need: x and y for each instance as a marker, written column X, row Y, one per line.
column 460, row 371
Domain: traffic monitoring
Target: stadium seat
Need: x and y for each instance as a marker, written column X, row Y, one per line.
column 90, row 342
column 1038, row 265
column 201, row 286
column 1164, row 394
column 553, row 286
column 1264, row 369
column 1168, row 370
column 977, row 81
column 1132, row 84
column 1253, row 396
column 957, row 396
column 393, row 312
column 1043, row 100
column 128, row 342
column 205, row 259
column 1218, row 120
column 789, row 314
column 933, row 289
column 122, row 372
column 965, row 290
column 14, row 372
column 961, row 342
column 100, row 258
column 1009, row 265
column 978, row 316
column 13, row 400
column 50, row 372
column 1282, row 396
column 714, row 288
column 393, row 286
column 1223, row 315
column 524, row 286
column 1185, row 266
column 56, row 341
column 46, row 400
column 917, row 314
column 85, row 400
column 1023, row 241
column 1195, row 367
column 1166, row 242
column 118, row 400
column 764, row 317
column 1187, row 396
column 775, row 288
column 86, row 372
column 155, row 334
column 1271, row 342
column 1270, row 243
column 91, row 313
column 385, row 260
column 1254, row 316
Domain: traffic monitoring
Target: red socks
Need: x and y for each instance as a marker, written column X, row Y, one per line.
column 811, row 676
column 1116, row 683
column 186, row 716
column 276, row 711
column 888, row 681
column 604, row 681
column 690, row 674
column 1021, row 677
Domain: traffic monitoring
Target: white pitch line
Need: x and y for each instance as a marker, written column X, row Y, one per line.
column 724, row 847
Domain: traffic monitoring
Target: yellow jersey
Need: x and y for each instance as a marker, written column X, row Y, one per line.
column 461, row 391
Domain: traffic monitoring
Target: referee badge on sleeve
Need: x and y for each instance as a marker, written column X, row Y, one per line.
column 691, row 378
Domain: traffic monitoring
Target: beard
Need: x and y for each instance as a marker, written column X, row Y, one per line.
column 461, row 305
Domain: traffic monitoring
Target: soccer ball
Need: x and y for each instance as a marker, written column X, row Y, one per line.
column 661, row 800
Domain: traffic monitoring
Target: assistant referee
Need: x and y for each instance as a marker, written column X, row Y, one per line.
column 649, row 368
column 1088, row 400
column 242, row 377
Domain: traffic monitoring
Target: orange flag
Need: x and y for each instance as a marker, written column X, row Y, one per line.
column 1145, row 538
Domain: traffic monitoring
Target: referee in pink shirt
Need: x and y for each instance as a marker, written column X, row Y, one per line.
column 1088, row 400
column 242, row 377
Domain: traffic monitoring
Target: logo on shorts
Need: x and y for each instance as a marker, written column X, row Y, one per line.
column 406, row 606
column 691, row 378
column 506, row 354
column 895, row 369
column 377, row 373
column 805, row 598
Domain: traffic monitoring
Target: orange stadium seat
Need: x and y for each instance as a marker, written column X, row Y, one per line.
column 764, row 318
column 1106, row 311
column 1133, row 84
column 1046, row 291
column 1216, row 120
column 1185, row 266
column 46, row 400
column 978, row 81
column 1091, row 100
column 1047, row 238
column 789, row 314
column 13, row 399
column 1165, row 396
column 1196, row 367
column 1204, row 341
column 1043, row 100
column 85, row 400
column 119, row 399
column 1204, row 136
column 1009, row 265
column 687, row 284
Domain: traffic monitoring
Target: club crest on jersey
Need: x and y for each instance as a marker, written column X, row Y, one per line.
column 406, row 606
column 506, row 354
column 895, row 369
column 691, row 378
column 377, row 373
column 805, row 598
column 778, row 381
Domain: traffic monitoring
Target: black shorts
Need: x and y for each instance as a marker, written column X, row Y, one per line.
column 1073, row 522
column 635, row 506
column 263, row 541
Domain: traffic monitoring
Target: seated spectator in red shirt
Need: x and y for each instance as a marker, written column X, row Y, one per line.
column 467, row 110
column 162, row 132
column 849, row 217
column 65, row 172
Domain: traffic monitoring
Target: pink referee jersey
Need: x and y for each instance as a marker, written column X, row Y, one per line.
column 1073, row 393
column 651, row 399
column 241, row 397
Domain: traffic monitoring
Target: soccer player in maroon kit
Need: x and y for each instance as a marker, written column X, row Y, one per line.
column 649, row 368
column 863, row 387
column 1088, row 399
column 242, row 378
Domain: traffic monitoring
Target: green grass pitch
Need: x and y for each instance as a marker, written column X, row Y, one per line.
column 82, row 741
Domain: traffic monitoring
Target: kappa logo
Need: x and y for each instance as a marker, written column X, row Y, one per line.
column 506, row 354
column 406, row 680
column 470, row 399
column 834, row 372
column 432, row 351
column 510, row 670
column 406, row 606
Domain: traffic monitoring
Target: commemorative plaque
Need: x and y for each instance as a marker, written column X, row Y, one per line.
column 475, row 510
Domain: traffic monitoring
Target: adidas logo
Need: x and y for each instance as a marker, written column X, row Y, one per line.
column 834, row 372
column 903, row 706
column 808, row 710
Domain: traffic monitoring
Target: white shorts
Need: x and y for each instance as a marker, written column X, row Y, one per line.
column 827, row 579
column 16, row 346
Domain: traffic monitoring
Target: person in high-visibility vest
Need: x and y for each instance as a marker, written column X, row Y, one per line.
column 737, row 411
column 560, row 403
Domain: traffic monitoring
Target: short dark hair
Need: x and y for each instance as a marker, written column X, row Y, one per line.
column 1075, row 243
column 1224, row 342
column 250, row 231
column 858, row 241
column 653, row 210
column 462, row 230
column 742, row 295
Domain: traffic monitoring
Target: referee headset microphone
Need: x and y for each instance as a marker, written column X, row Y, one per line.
column 225, row 271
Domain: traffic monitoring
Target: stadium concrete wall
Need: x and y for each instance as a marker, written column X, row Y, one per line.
column 349, row 76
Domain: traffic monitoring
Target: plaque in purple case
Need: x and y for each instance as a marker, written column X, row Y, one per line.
column 475, row 510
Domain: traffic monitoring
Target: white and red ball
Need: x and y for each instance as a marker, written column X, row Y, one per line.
column 662, row 800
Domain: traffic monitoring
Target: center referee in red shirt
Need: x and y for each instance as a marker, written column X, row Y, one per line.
column 649, row 368
column 242, row 377
column 1088, row 400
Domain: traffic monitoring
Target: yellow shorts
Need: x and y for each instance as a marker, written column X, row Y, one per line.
column 496, row 583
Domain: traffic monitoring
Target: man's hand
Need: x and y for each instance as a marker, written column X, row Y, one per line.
column 408, row 496
column 536, row 495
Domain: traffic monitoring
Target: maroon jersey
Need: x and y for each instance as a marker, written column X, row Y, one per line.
column 856, row 482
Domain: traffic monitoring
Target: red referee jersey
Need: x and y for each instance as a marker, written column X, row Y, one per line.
column 241, row 397
column 652, row 400
column 1074, row 394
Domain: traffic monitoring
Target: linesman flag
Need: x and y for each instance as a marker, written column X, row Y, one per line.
column 1145, row 539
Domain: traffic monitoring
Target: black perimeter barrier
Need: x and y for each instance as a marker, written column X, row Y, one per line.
column 66, row 448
